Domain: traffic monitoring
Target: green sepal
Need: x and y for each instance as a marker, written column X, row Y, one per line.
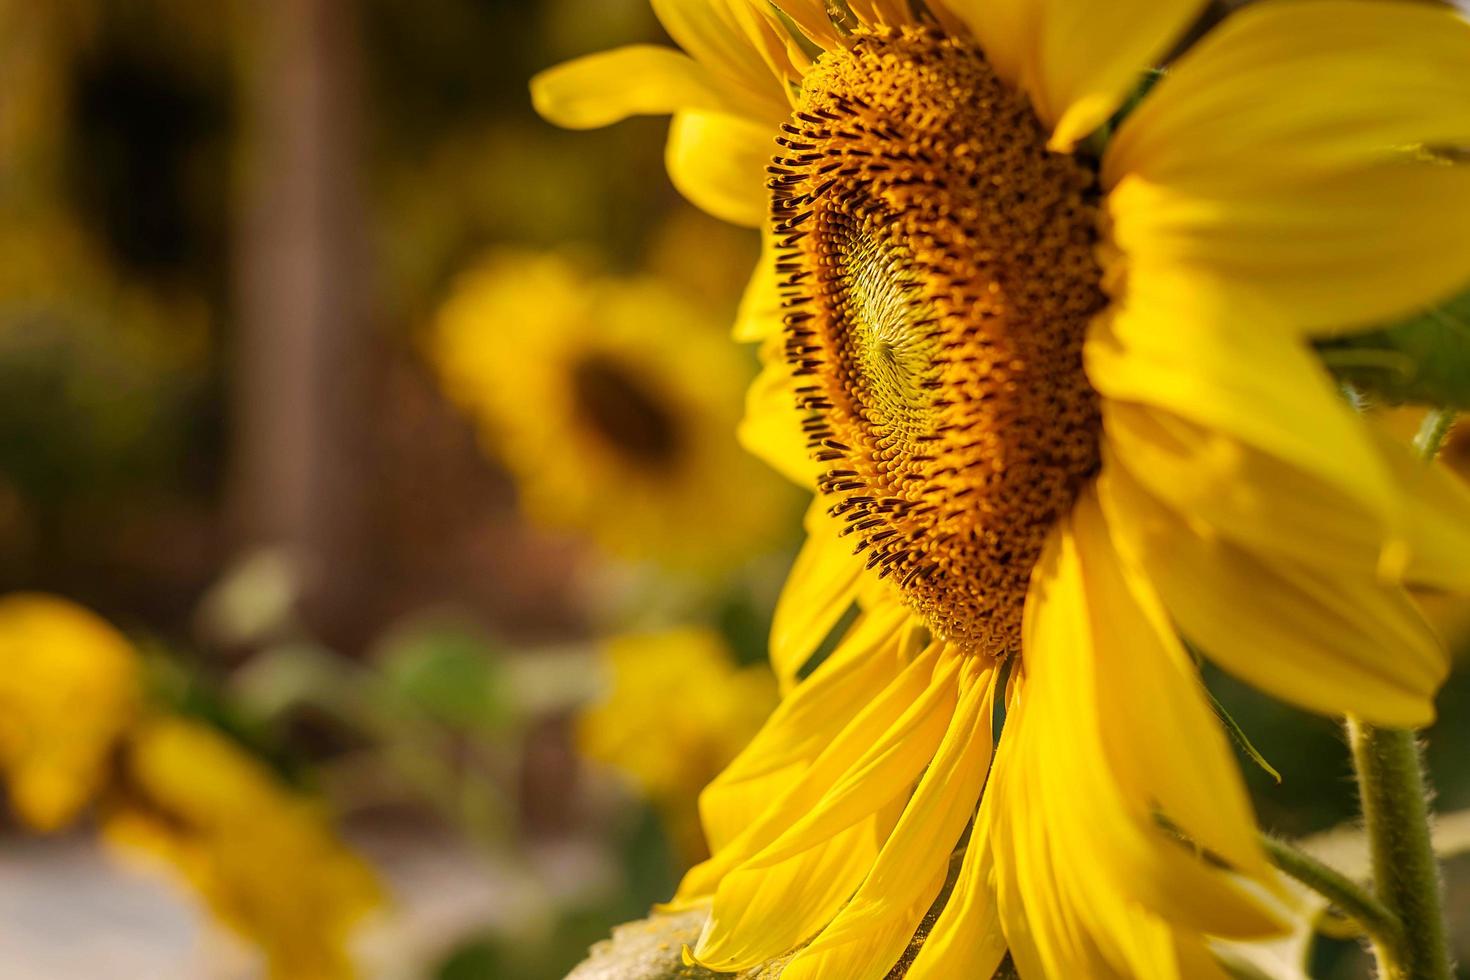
column 1242, row 739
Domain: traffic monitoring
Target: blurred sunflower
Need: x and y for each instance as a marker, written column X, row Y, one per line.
column 69, row 688
column 1059, row 405
column 264, row 860
column 677, row 709
column 75, row 731
column 614, row 403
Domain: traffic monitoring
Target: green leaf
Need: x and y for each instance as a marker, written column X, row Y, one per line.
column 1423, row 360
column 448, row 672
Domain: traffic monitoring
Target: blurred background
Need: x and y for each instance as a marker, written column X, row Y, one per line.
column 382, row 578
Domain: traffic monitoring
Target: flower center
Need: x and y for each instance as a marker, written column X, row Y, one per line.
column 939, row 277
column 624, row 413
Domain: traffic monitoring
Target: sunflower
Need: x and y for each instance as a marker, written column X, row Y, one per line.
column 614, row 403
column 265, row 860
column 77, row 730
column 1059, row 408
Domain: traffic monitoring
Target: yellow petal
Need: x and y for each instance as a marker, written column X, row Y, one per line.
column 1049, row 926
column 1284, row 157
column 852, row 784
column 759, row 316
column 1436, row 517
column 1274, row 507
column 803, row 725
column 942, row 804
column 1173, row 754
column 1076, row 59
column 1110, row 725
column 760, row 915
column 785, row 57
column 768, row 772
column 890, row 763
column 772, row 426
column 871, row 954
column 966, row 940
column 1007, row 31
column 883, row 709
column 883, row 13
column 728, row 39
column 1177, row 349
column 868, row 935
column 262, row 859
column 637, row 80
column 1312, row 85
column 1197, row 962
column 718, row 161
column 1251, row 497
column 813, row 20
column 1333, row 641
column 867, row 659
column 822, row 585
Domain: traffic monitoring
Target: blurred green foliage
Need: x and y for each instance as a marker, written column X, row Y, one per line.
column 448, row 674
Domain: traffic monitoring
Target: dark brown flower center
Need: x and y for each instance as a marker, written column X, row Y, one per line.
column 939, row 277
column 624, row 412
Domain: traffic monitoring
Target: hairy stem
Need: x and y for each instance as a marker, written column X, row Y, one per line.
column 1346, row 895
column 1433, row 431
column 1405, row 871
column 1393, row 790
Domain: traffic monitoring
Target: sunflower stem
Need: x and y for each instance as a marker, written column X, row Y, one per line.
column 1395, row 800
column 1346, row 895
column 1391, row 785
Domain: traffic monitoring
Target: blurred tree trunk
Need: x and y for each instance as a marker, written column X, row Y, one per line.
column 300, row 392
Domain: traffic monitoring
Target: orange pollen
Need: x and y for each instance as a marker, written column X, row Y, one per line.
column 938, row 268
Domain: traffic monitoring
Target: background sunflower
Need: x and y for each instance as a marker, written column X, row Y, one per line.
column 615, row 403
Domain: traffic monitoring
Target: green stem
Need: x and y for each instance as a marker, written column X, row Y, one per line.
column 1405, row 872
column 1394, row 795
column 1346, row 895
